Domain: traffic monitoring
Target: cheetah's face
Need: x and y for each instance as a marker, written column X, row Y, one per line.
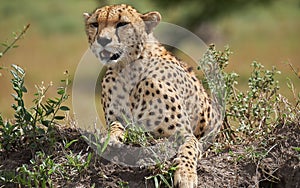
column 118, row 33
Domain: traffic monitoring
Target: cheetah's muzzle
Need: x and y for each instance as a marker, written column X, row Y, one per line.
column 108, row 56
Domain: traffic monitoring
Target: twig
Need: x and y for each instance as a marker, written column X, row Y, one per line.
column 294, row 70
column 15, row 40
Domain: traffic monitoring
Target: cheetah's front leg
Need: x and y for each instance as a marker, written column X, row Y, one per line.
column 186, row 161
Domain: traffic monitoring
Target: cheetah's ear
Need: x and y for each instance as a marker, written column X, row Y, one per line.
column 86, row 15
column 151, row 20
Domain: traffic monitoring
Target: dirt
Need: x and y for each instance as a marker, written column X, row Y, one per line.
column 232, row 167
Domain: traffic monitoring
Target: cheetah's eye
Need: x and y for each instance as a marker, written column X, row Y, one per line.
column 94, row 25
column 121, row 24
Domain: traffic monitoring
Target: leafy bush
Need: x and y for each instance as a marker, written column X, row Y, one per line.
column 36, row 124
column 252, row 116
column 261, row 106
column 255, row 108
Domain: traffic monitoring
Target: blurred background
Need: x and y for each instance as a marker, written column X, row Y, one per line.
column 263, row 30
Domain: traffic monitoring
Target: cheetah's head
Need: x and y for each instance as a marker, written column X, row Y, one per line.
column 118, row 33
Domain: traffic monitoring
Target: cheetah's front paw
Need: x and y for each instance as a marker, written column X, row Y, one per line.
column 185, row 177
column 186, row 174
column 116, row 134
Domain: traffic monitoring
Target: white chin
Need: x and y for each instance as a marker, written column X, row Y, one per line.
column 108, row 62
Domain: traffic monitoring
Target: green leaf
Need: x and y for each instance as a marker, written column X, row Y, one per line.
column 39, row 110
column 70, row 143
column 59, row 117
column 15, row 75
column 52, row 101
column 46, row 122
column 60, row 91
column 1, row 120
column 16, row 88
column 24, row 89
column 51, row 171
column 173, row 168
column 19, row 69
column 49, row 111
column 18, row 108
column 296, row 148
column 16, row 97
column 105, row 144
column 164, row 180
column 47, row 106
column 156, row 182
column 4, row 44
column 64, row 108
column 86, row 164
column 27, row 116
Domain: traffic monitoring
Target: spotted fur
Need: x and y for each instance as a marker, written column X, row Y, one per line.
column 148, row 85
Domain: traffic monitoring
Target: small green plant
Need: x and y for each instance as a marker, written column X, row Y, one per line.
column 255, row 108
column 38, row 174
column 163, row 175
column 74, row 164
column 78, row 162
column 136, row 135
column 9, row 134
column 96, row 142
column 43, row 169
column 36, row 124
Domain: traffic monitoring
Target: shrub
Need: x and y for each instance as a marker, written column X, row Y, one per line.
column 36, row 124
column 30, row 126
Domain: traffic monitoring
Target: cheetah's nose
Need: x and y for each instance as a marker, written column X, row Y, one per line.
column 103, row 41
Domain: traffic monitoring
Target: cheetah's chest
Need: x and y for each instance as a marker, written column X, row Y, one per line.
column 117, row 86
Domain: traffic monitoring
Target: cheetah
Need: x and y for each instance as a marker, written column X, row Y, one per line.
column 147, row 84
